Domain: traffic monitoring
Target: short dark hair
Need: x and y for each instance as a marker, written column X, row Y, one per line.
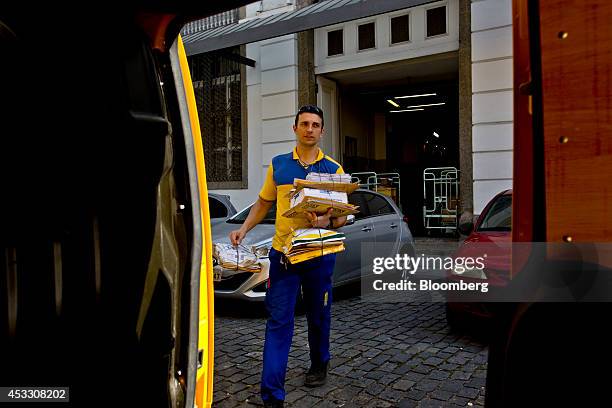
column 310, row 109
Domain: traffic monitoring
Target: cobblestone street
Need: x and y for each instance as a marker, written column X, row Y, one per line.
column 383, row 355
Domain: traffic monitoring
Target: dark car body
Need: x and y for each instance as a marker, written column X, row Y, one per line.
column 491, row 235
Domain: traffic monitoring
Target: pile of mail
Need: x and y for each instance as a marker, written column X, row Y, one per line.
column 236, row 258
column 319, row 192
column 319, row 201
column 308, row 243
column 329, row 177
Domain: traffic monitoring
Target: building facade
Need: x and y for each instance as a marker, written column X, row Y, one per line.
column 357, row 71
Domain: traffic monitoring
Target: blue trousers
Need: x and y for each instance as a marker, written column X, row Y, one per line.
column 315, row 278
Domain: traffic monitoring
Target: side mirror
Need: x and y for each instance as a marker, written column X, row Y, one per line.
column 466, row 228
column 350, row 219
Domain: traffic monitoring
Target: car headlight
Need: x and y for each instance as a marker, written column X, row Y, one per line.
column 262, row 250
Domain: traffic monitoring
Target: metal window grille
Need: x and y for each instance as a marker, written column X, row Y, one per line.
column 217, row 85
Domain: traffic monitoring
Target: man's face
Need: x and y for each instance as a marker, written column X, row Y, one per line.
column 308, row 130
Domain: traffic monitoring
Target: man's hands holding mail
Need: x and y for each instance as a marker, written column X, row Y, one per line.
column 319, row 221
column 237, row 236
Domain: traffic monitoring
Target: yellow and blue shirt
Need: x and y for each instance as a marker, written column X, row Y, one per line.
column 279, row 181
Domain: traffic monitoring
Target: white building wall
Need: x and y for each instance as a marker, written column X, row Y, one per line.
column 271, row 105
column 271, row 100
column 492, row 109
column 264, row 8
column 272, row 86
column 384, row 51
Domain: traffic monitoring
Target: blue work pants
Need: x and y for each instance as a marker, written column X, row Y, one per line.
column 315, row 278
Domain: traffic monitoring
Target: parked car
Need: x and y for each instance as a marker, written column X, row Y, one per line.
column 220, row 207
column 492, row 231
column 379, row 220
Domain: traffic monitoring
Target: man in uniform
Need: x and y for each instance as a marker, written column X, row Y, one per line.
column 314, row 276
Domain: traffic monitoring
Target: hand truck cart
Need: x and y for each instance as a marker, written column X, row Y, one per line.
column 384, row 183
column 441, row 198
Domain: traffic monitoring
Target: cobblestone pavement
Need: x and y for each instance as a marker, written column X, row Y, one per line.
column 383, row 355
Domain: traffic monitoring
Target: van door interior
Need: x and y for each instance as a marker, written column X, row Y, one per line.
column 97, row 218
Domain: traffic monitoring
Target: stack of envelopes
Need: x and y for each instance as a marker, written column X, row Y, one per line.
column 298, row 184
column 308, row 243
column 237, row 258
column 329, row 177
column 318, row 196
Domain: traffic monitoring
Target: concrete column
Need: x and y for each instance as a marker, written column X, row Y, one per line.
column 306, row 76
column 465, row 107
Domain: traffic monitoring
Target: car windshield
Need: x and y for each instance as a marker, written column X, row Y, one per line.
column 242, row 216
column 499, row 216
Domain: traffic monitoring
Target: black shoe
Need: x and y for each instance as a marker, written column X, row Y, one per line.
column 317, row 375
column 274, row 403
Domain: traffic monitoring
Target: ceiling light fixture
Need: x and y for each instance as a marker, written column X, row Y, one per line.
column 415, row 96
column 406, row 110
column 393, row 103
column 436, row 134
column 429, row 104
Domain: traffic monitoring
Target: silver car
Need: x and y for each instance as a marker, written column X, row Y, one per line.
column 220, row 207
column 379, row 220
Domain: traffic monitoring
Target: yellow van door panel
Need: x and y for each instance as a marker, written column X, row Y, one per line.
column 204, row 381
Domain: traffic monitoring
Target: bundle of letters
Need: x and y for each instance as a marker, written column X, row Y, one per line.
column 308, row 243
column 236, row 258
column 329, row 177
column 326, row 181
column 320, row 192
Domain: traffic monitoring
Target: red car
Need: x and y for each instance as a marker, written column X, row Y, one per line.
column 491, row 235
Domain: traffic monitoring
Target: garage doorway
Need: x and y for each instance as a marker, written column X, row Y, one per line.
column 400, row 117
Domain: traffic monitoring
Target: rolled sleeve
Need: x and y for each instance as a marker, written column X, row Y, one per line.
column 339, row 170
column 268, row 190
